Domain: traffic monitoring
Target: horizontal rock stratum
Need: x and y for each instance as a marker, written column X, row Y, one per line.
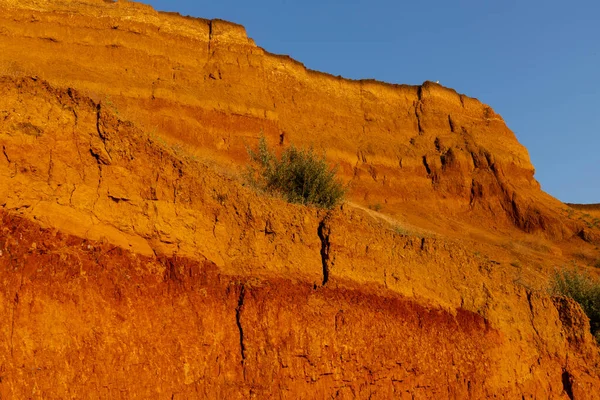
column 135, row 262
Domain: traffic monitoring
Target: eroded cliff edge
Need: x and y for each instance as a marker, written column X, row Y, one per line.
column 135, row 268
column 206, row 85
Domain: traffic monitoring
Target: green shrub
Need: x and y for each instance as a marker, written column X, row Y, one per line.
column 298, row 175
column 584, row 290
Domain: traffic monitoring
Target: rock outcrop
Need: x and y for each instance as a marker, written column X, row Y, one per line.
column 134, row 263
column 206, row 85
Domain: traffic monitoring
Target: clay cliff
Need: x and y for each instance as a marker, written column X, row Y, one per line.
column 136, row 263
column 205, row 85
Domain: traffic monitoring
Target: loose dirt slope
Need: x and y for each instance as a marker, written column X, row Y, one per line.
column 135, row 264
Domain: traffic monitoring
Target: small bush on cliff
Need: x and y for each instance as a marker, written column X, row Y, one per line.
column 300, row 176
column 584, row 290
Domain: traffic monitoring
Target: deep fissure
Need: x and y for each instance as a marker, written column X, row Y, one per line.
column 324, row 231
column 427, row 168
column 567, row 383
column 238, row 321
column 417, row 105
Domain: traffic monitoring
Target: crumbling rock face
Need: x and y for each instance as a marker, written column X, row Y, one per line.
column 130, row 269
column 134, row 267
column 90, row 319
column 206, row 85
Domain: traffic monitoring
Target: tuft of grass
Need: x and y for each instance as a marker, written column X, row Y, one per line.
column 584, row 290
column 299, row 175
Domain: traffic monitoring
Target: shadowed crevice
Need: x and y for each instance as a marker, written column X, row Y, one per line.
column 238, row 322
column 567, row 382
column 324, row 231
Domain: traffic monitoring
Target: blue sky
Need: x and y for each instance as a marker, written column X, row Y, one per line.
column 537, row 63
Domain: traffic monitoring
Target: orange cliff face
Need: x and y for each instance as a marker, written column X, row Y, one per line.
column 205, row 85
column 132, row 267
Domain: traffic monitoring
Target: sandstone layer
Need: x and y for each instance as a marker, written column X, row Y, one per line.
column 135, row 263
column 206, row 86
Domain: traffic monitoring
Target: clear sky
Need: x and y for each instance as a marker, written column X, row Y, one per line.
column 537, row 63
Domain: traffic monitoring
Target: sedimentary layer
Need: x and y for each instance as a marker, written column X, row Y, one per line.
column 135, row 262
column 205, row 85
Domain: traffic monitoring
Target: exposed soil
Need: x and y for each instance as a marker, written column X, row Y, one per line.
column 136, row 263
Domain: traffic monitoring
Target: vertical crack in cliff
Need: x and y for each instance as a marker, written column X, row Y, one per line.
column 238, row 321
column 417, row 108
column 531, row 312
column 426, row 165
column 50, row 169
column 324, row 231
column 15, row 305
column 98, row 122
column 5, row 154
column 80, row 170
column 451, row 124
column 210, row 34
column 71, row 195
column 98, row 188
column 101, row 154
column 567, row 382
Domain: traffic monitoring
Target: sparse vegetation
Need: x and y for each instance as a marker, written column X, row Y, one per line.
column 108, row 103
column 401, row 231
column 375, row 207
column 584, row 290
column 299, row 175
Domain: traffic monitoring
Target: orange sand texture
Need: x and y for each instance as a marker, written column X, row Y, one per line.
column 135, row 263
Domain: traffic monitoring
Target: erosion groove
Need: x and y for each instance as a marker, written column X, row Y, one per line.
column 567, row 384
column 238, row 322
column 532, row 312
column 324, row 231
